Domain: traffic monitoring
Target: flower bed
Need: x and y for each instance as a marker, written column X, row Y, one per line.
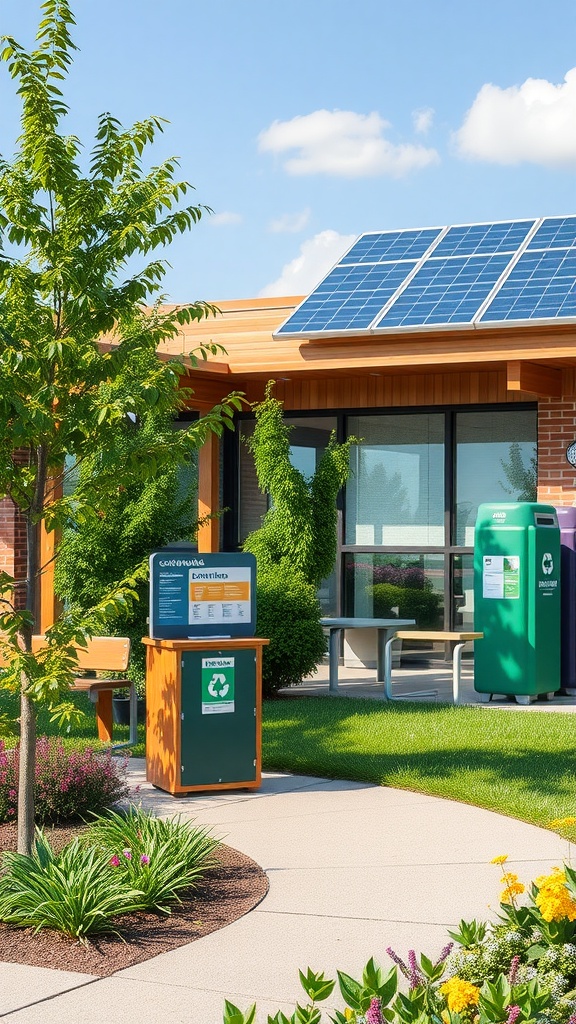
column 520, row 969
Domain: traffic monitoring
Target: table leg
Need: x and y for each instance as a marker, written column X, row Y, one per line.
column 456, row 670
column 334, row 658
column 381, row 655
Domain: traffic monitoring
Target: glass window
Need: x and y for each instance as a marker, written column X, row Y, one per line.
column 403, row 586
column 495, row 461
column 395, row 492
column 463, row 593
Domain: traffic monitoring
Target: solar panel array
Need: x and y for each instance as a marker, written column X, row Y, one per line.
column 506, row 272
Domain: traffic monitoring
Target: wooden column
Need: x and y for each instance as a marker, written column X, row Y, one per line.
column 50, row 605
column 209, row 493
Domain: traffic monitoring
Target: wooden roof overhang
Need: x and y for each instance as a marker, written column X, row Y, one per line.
column 533, row 357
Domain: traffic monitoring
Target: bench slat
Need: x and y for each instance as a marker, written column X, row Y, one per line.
column 440, row 635
column 103, row 653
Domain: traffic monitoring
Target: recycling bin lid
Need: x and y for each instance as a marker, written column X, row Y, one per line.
column 566, row 517
column 515, row 513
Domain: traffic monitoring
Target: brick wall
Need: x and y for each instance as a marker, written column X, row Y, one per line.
column 13, row 545
column 556, row 430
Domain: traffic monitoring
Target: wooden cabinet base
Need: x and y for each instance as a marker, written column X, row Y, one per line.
column 204, row 714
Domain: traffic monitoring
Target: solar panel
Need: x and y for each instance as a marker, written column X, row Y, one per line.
column 521, row 270
column 483, row 239
column 388, row 246
column 555, row 232
column 540, row 287
column 445, row 291
column 349, row 298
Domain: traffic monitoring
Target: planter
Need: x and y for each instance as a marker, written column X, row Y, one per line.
column 360, row 649
column 121, row 710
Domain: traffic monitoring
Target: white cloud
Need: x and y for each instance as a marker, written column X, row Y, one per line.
column 534, row 122
column 290, row 223
column 225, row 219
column 422, row 120
column 316, row 257
column 344, row 144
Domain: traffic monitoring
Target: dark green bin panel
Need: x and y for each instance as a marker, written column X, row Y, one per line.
column 218, row 748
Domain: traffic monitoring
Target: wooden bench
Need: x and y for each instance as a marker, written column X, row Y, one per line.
column 104, row 654
column 457, row 641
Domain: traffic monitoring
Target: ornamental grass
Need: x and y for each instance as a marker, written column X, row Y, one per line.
column 124, row 864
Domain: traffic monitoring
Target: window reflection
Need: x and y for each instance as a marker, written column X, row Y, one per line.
column 495, row 461
column 395, row 493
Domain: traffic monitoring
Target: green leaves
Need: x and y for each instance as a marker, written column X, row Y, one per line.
column 469, row 933
column 316, row 986
column 75, row 891
column 176, row 853
column 232, row 1015
column 301, row 522
column 358, row 994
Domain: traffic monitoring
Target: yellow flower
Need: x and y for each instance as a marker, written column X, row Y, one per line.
column 512, row 890
column 348, row 1013
column 460, row 994
column 562, row 822
column 509, row 876
column 553, row 899
column 500, row 860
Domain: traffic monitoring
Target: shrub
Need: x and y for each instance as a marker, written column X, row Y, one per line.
column 74, row 891
column 158, row 858
column 422, row 604
column 68, row 784
column 289, row 616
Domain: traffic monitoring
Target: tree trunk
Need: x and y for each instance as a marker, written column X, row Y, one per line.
column 27, row 758
column 27, row 765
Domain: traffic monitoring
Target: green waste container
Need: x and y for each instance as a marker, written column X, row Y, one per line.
column 517, row 600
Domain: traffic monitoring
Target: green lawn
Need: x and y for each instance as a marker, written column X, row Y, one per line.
column 83, row 735
column 518, row 763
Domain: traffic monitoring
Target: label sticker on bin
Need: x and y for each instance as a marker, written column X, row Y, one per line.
column 501, row 576
column 217, row 686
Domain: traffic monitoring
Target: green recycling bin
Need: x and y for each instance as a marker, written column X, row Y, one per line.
column 517, row 600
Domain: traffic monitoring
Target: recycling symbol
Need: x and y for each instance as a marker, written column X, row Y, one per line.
column 218, row 687
column 547, row 564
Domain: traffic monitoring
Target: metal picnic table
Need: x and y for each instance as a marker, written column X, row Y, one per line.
column 385, row 627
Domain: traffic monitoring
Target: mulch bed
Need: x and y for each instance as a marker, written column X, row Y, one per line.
column 236, row 885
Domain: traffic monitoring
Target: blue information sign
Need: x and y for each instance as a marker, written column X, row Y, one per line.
column 194, row 594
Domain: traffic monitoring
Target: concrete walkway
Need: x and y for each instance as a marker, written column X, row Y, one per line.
column 353, row 868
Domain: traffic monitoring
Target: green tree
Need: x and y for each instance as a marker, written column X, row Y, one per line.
column 521, row 478
column 295, row 547
column 71, row 229
column 301, row 522
column 141, row 516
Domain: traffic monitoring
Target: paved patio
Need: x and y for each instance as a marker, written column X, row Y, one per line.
column 419, row 677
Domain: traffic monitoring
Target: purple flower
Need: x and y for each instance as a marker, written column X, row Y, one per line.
column 444, row 954
column 513, row 1014
column 374, row 1012
column 127, row 853
column 399, row 961
column 415, row 975
column 114, row 861
column 144, row 859
column 513, row 973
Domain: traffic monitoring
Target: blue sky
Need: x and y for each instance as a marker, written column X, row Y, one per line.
column 304, row 123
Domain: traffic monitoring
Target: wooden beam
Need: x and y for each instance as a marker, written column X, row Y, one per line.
column 50, row 605
column 209, row 493
column 534, row 378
